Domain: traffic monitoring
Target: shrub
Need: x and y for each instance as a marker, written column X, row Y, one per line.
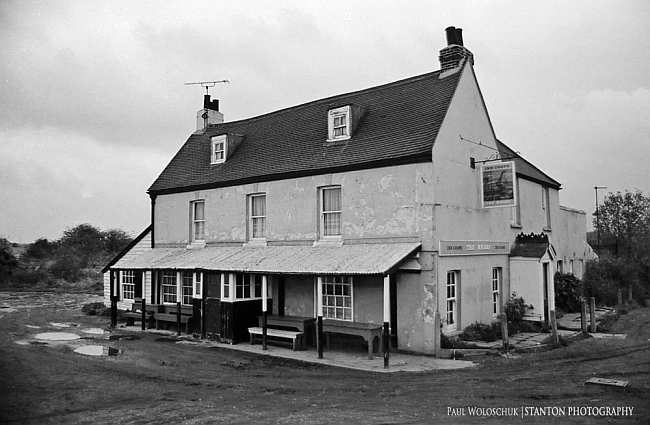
column 481, row 332
column 568, row 291
column 515, row 308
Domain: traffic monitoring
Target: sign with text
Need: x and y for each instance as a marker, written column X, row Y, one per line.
column 473, row 247
column 498, row 188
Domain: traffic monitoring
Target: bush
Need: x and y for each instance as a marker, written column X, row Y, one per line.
column 481, row 332
column 568, row 292
column 515, row 309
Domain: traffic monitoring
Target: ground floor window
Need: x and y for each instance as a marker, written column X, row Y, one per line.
column 337, row 297
column 496, row 288
column 169, row 287
column 245, row 286
column 187, row 288
column 453, row 277
column 128, row 284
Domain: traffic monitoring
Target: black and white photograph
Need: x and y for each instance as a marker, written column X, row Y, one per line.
column 324, row 212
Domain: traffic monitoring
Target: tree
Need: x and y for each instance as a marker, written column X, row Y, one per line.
column 8, row 261
column 625, row 217
column 84, row 243
column 40, row 249
column 115, row 240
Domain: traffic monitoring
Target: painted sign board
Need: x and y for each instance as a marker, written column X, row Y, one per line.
column 473, row 247
column 498, row 188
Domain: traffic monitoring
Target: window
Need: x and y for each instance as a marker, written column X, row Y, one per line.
column 247, row 286
column 219, row 144
column 496, row 287
column 198, row 284
column 560, row 266
column 128, row 285
column 169, row 288
column 515, row 212
column 187, row 288
column 337, row 297
column 257, row 214
column 339, row 124
column 330, row 211
column 452, row 301
column 546, row 210
column 198, row 221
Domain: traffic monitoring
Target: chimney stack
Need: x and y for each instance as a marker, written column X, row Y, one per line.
column 455, row 54
column 209, row 114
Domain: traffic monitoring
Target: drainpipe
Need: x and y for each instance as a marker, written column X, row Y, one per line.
column 386, row 336
column 153, row 216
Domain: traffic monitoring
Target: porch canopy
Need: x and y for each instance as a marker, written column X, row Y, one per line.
column 355, row 259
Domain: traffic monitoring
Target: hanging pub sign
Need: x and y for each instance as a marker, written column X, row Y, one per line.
column 498, row 187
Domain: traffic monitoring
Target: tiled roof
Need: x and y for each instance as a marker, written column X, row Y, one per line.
column 525, row 168
column 530, row 246
column 361, row 259
column 399, row 125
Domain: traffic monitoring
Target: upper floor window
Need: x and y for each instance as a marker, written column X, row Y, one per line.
column 219, row 145
column 330, row 214
column 339, row 123
column 257, row 216
column 198, row 221
column 546, row 210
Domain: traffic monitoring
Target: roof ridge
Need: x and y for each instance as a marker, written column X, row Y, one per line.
column 327, row 99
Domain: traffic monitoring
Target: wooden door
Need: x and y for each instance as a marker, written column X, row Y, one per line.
column 212, row 313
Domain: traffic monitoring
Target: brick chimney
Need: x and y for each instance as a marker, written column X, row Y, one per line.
column 455, row 54
column 209, row 114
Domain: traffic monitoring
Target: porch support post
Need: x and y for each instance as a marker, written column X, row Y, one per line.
column 319, row 321
column 265, row 294
column 113, row 299
column 178, row 318
column 386, row 336
column 143, row 308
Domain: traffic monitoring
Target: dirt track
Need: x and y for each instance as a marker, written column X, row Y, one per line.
column 153, row 380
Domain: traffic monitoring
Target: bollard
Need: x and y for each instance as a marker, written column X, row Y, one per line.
column 592, row 308
column 504, row 331
column 556, row 338
column 620, row 296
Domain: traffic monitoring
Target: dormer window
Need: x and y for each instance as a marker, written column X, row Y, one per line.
column 339, row 124
column 219, row 146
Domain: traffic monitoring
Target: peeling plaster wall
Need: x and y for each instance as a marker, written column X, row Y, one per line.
column 384, row 202
column 416, row 307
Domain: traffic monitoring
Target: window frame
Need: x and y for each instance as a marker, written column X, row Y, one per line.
column 165, row 287
column 497, row 284
column 219, row 156
column 451, row 315
column 342, row 112
column 334, row 281
column 242, row 287
column 194, row 221
column 252, row 218
column 127, row 283
column 323, row 214
column 546, row 208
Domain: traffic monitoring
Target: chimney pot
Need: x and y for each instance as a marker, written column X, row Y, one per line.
column 459, row 36
column 451, row 35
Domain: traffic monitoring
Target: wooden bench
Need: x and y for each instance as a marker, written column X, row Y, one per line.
column 295, row 337
column 170, row 316
column 136, row 313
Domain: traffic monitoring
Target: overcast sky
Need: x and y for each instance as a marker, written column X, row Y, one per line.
column 93, row 102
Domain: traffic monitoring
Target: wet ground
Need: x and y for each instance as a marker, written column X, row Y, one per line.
column 126, row 376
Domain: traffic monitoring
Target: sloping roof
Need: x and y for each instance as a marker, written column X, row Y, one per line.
column 399, row 125
column 127, row 248
column 525, row 169
column 530, row 246
column 362, row 259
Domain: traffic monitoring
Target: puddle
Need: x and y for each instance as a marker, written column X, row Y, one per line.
column 124, row 337
column 94, row 331
column 57, row 336
column 32, row 326
column 97, row 350
column 63, row 325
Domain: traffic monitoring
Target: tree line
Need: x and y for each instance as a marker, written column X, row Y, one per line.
column 77, row 256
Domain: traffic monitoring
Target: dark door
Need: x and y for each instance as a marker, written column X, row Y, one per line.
column 212, row 314
column 393, row 310
column 546, row 286
column 280, row 296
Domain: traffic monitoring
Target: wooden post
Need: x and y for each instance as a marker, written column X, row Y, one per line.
column 386, row 336
column 436, row 334
column 629, row 293
column 504, row 332
column 178, row 318
column 203, row 312
column 620, row 296
column 592, row 316
column 265, row 293
column 556, row 338
column 583, row 315
column 144, row 312
column 319, row 320
column 114, row 311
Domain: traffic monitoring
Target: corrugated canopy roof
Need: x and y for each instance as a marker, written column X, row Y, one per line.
column 362, row 259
